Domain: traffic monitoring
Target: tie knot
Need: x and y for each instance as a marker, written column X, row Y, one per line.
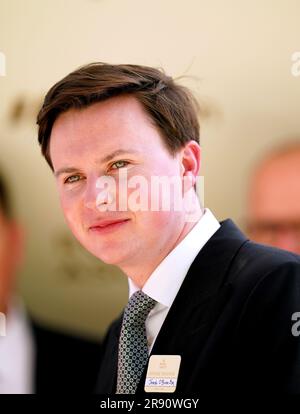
column 138, row 308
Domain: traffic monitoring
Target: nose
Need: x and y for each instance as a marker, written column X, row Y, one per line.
column 100, row 193
column 91, row 193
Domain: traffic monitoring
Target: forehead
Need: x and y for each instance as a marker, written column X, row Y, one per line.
column 113, row 123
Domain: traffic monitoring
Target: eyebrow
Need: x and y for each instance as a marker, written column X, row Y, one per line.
column 116, row 153
column 103, row 160
column 66, row 170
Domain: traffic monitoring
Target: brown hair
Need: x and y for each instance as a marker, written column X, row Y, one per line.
column 171, row 106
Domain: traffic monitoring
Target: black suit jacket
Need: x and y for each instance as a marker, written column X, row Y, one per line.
column 231, row 321
column 64, row 364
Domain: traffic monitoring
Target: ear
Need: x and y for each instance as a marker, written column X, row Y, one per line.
column 11, row 255
column 190, row 163
column 17, row 244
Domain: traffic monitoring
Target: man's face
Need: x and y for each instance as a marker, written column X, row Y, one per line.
column 102, row 140
column 274, row 203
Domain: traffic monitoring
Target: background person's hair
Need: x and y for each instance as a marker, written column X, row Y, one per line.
column 170, row 106
column 5, row 203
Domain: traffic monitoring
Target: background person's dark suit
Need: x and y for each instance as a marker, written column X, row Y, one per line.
column 64, row 363
column 230, row 322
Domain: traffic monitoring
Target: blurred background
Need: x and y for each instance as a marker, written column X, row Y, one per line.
column 237, row 57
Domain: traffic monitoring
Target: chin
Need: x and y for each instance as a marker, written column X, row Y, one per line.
column 110, row 256
column 109, row 252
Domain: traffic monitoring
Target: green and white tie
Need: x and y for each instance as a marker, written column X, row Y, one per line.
column 133, row 348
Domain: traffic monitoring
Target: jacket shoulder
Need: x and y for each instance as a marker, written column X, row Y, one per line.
column 260, row 271
column 255, row 261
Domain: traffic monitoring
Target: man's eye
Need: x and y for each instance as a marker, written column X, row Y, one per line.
column 72, row 179
column 119, row 164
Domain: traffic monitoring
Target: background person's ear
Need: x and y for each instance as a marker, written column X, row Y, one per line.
column 11, row 257
column 17, row 242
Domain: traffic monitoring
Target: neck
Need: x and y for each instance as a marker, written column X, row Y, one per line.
column 140, row 277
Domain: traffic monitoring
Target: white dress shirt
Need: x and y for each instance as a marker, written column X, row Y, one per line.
column 16, row 354
column 164, row 283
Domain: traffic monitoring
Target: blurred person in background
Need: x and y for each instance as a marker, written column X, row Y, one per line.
column 273, row 205
column 16, row 347
column 33, row 358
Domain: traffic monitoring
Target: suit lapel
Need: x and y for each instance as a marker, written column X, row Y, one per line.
column 201, row 297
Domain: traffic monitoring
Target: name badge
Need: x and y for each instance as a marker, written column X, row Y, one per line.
column 162, row 373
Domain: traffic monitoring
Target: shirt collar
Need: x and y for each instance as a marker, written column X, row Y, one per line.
column 16, row 353
column 164, row 283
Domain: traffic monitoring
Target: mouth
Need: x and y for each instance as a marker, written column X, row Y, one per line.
column 106, row 226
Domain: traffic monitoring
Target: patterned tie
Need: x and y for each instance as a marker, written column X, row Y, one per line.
column 133, row 349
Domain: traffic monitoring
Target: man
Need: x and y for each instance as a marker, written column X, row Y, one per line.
column 33, row 358
column 212, row 309
column 273, row 208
